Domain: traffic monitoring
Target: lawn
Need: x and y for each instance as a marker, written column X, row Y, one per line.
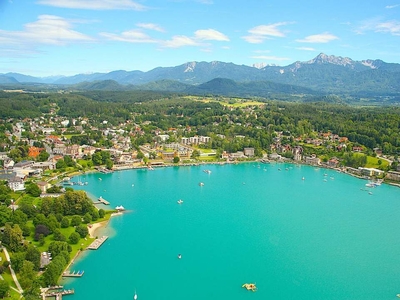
column 373, row 162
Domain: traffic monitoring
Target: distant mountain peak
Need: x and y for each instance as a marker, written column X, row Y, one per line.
column 190, row 66
column 322, row 58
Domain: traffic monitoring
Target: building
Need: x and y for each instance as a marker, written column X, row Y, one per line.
column 297, row 153
column 249, row 152
column 43, row 186
column 393, row 175
column 312, row 160
column 371, row 172
column 34, row 151
column 16, row 184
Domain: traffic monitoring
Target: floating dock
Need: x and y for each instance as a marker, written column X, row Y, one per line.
column 73, row 274
column 97, row 243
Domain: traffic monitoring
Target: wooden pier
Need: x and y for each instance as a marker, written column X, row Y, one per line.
column 97, row 243
column 73, row 274
column 103, row 201
column 55, row 292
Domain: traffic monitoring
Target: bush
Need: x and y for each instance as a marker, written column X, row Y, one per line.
column 74, row 238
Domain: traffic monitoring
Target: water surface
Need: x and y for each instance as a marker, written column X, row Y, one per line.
column 298, row 232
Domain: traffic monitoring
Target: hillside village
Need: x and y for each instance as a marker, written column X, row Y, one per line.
column 43, row 146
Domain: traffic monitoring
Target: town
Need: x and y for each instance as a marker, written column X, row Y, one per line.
column 50, row 144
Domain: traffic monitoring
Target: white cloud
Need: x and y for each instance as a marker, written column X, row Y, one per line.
column 180, row 41
column 47, row 29
column 318, row 38
column 210, row 35
column 270, row 58
column 377, row 25
column 205, row 1
column 94, row 4
column 262, row 32
column 130, row 36
column 392, row 27
column 150, row 26
column 391, row 6
column 306, row 49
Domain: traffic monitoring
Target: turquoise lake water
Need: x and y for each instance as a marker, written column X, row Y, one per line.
column 324, row 237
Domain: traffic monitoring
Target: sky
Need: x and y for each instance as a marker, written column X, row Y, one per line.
column 67, row 37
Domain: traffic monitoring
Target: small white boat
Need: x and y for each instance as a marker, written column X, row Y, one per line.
column 201, row 184
column 120, row 208
column 180, row 201
column 135, row 296
column 179, row 256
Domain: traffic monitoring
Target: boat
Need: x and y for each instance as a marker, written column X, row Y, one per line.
column 179, row 256
column 250, row 286
column 201, row 183
column 180, row 201
column 135, row 296
column 207, row 171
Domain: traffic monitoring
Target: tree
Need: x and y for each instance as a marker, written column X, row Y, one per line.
column 176, row 159
column 61, row 164
column 27, row 274
column 82, row 230
column 33, row 255
column 109, row 164
column 17, row 260
column 55, row 248
column 74, row 238
column 64, row 222
column 87, row 218
column 4, row 288
column 43, row 156
column 76, row 220
column 16, row 238
column 33, row 189
column 101, row 213
column 41, row 230
column 58, row 236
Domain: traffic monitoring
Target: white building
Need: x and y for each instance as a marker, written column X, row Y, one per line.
column 16, row 184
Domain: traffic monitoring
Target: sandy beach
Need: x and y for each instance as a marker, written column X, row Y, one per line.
column 93, row 228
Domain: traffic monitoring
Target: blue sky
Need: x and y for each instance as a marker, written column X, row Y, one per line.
column 67, row 37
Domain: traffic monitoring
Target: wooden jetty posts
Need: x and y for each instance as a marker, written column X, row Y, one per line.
column 73, row 274
column 97, row 243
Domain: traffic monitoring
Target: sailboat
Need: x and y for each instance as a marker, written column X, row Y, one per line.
column 135, row 296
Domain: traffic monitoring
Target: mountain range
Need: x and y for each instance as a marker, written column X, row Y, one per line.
column 322, row 74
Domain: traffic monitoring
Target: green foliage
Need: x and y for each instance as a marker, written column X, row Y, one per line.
column 82, row 230
column 43, row 156
column 58, row 236
column 54, row 269
column 28, row 274
column 354, row 160
column 64, row 222
column 76, row 220
column 33, row 255
column 33, row 190
column 55, row 248
column 74, row 238
column 17, row 260
column 4, row 288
